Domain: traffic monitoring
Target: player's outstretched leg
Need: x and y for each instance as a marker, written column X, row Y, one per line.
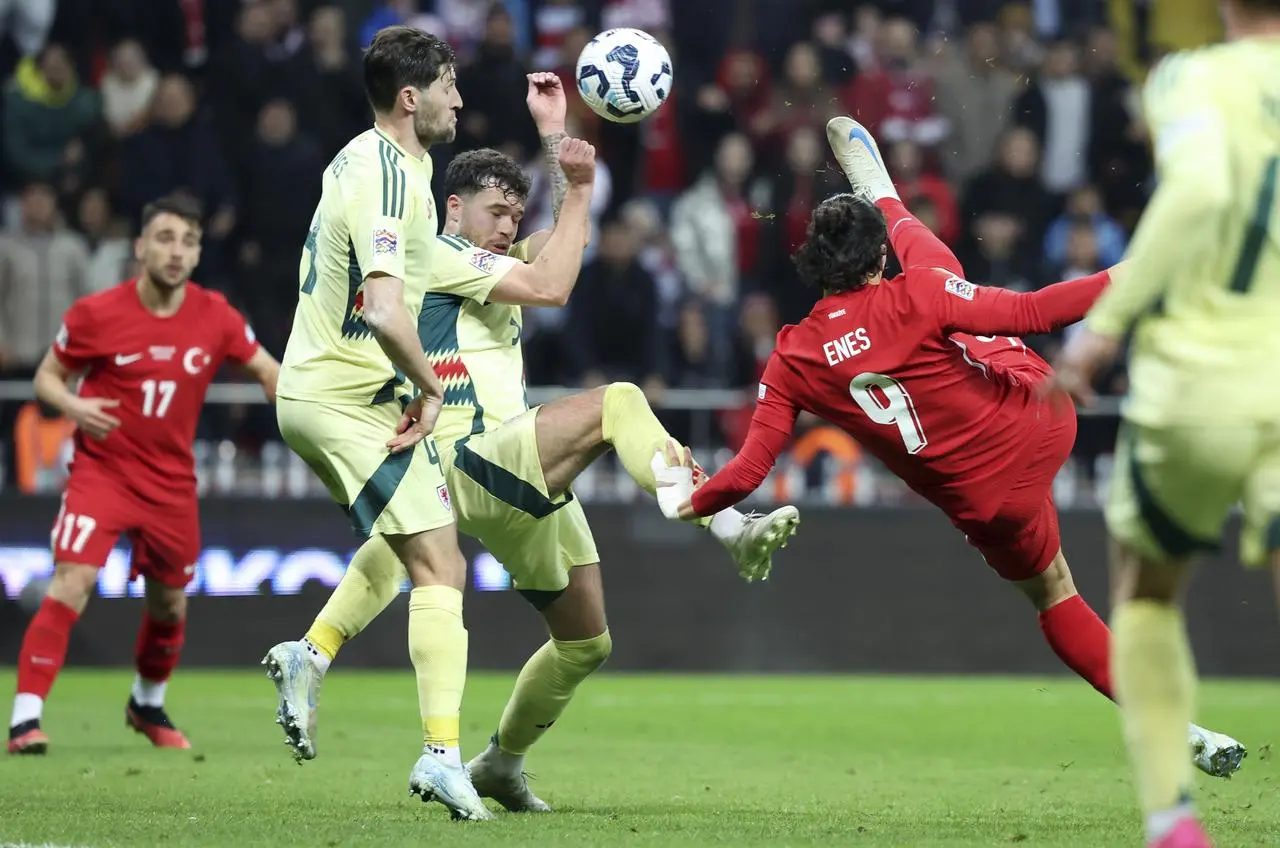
column 44, row 650
column 580, row 643
column 573, row 431
column 371, row 582
column 1084, row 644
column 160, row 640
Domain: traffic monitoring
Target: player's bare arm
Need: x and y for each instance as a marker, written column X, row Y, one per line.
column 264, row 368
column 546, row 102
column 53, row 386
column 549, row 279
column 397, row 335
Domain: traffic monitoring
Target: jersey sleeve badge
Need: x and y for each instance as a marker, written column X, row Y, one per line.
column 960, row 288
column 385, row 243
column 484, row 260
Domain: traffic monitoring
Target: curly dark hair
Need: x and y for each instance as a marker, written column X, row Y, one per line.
column 402, row 56
column 476, row 170
column 844, row 244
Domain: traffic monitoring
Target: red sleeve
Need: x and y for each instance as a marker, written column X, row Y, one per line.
column 76, row 345
column 240, row 344
column 915, row 245
column 963, row 307
column 768, row 436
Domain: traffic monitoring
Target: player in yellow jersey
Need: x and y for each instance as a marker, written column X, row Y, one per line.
column 1201, row 428
column 347, row 402
column 509, row 467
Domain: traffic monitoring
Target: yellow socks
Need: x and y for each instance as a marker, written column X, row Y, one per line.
column 545, row 686
column 1155, row 680
column 438, row 649
column 372, row 580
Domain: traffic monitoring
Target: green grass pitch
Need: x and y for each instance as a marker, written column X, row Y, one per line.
column 637, row 761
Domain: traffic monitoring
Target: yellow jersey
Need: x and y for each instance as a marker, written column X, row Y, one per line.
column 1202, row 290
column 473, row 345
column 376, row 215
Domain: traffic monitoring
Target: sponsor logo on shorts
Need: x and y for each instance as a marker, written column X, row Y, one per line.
column 485, row 261
column 385, row 243
column 960, row 288
column 443, row 492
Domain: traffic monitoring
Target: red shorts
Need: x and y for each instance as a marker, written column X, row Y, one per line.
column 1022, row 538
column 96, row 510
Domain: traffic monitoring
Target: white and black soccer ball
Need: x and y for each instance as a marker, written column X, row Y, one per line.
column 624, row 75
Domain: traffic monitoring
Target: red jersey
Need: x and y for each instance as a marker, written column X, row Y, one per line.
column 159, row 369
column 889, row 364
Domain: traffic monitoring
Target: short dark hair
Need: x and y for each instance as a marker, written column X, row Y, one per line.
column 402, row 56
column 844, row 244
column 183, row 205
column 476, row 170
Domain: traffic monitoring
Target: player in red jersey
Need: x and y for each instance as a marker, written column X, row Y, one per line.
column 147, row 351
column 957, row 417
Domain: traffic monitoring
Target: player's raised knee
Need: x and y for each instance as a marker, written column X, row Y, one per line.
column 623, row 391
column 588, row 654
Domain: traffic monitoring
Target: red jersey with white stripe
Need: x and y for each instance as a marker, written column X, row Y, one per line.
column 889, row 365
column 159, row 368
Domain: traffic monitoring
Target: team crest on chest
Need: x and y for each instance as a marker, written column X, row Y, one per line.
column 195, row 360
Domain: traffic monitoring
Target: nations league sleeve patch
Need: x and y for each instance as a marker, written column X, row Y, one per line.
column 959, row 287
column 385, row 243
column 484, row 260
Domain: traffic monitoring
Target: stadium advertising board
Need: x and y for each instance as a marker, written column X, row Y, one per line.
column 892, row 590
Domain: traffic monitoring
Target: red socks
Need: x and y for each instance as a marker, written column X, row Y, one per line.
column 1080, row 640
column 44, row 647
column 159, row 646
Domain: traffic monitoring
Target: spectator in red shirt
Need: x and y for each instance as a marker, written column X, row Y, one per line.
column 913, row 180
column 895, row 99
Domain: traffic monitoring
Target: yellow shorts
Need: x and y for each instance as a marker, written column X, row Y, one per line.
column 345, row 446
column 501, row 500
column 1174, row 486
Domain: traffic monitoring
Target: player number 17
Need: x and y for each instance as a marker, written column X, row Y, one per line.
column 156, row 397
column 892, row 405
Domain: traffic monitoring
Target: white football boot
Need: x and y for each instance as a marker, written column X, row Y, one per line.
column 433, row 779
column 760, row 536
column 297, row 683
column 502, row 777
column 1214, row 753
column 859, row 157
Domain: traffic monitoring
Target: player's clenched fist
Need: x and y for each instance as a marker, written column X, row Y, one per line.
column 91, row 417
column 546, row 102
column 578, row 161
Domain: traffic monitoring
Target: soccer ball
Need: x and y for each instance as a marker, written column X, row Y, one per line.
column 624, row 75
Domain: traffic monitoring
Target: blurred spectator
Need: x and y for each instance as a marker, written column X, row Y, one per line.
column 1085, row 207
column 831, row 39
column 612, row 331
column 996, row 257
column 1018, row 44
column 801, row 99
column 28, row 23
column 648, row 15
column 692, row 363
column 1081, row 256
column 974, row 94
column 716, row 233
column 242, row 78
column 127, row 89
column 287, row 33
column 327, row 84
column 907, row 166
column 894, row 98
column 643, row 218
column 392, row 12
column 733, row 100
column 552, row 23
column 283, row 169
column 43, row 270
column 1056, row 107
column 107, row 239
column 867, row 23
column 180, row 150
column 1011, row 185
column 48, row 118
column 1119, row 159
column 493, row 87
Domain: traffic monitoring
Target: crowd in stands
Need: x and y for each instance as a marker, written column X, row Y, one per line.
column 1012, row 129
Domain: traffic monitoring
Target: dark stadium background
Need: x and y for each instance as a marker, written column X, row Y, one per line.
column 1012, row 129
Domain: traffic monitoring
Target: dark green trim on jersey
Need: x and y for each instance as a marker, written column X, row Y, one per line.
column 438, row 332
column 458, row 243
column 1172, row 538
column 353, row 326
column 387, row 393
column 505, row 486
column 393, row 181
column 1256, row 236
column 1273, row 535
column 378, row 491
